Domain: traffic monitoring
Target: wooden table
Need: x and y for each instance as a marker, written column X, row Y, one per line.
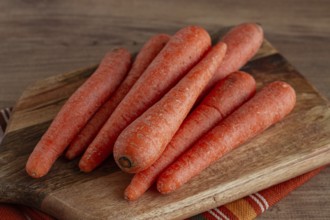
column 44, row 38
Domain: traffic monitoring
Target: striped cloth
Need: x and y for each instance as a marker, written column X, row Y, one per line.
column 246, row 208
column 253, row 205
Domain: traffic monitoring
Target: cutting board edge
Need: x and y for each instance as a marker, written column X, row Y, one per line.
column 218, row 202
column 54, row 206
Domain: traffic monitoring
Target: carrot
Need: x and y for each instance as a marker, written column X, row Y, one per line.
column 243, row 42
column 75, row 113
column 179, row 55
column 144, row 140
column 267, row 107
column 225, row 97
column 148, row 52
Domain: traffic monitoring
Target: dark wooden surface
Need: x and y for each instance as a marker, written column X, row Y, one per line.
column 39, row 38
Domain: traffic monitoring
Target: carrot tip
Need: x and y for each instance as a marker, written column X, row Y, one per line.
column 85, row 170
column 69, row 156
column 84, row 167
column 129, row 198
column 125, row 162
column 33, row 174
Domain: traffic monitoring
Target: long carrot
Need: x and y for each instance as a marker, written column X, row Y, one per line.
column 143, row 141
column 243, row 41
column 77, row 110
column 148, row 52
column 267, row 107
column 224, row 98
column 180, row 54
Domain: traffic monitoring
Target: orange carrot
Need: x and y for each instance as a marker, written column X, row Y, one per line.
column 144, row 140
column 243, row 42
column 179, row 55
column 224, row 98
column 148, row 52
column 267, row 107
column 77, row 110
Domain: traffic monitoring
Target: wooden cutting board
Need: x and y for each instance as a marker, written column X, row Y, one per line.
column 301, row 142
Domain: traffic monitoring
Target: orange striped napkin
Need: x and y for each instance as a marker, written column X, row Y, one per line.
column 253, row 205
column 246, row 208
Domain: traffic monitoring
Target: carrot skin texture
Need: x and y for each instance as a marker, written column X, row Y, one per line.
column 267, row 107
column 225, row 97
column 144, row 140
column 181, row 53
column 147, row 53
column 75, row 113
column 243, row 42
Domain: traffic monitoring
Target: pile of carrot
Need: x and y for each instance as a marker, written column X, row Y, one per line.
column 174, row 111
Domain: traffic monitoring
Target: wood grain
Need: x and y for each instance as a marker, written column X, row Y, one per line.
column 301, row 142
column 41, row 38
